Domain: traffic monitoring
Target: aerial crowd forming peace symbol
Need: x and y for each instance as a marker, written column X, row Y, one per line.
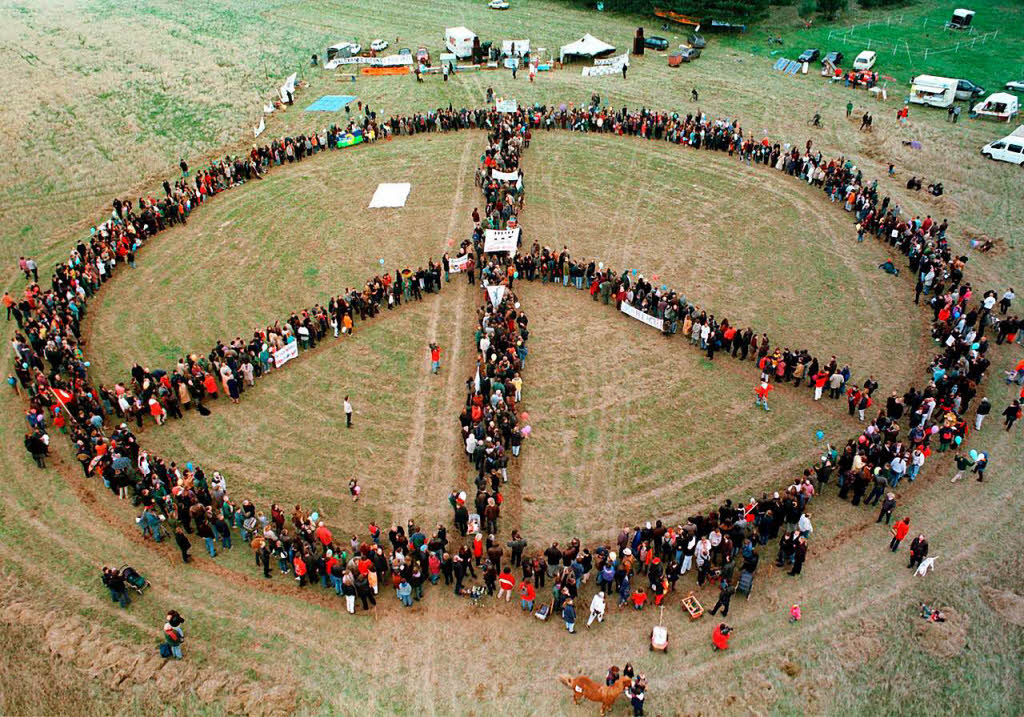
column 51, row 367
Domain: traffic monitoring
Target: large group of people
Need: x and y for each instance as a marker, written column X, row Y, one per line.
column 721, row 546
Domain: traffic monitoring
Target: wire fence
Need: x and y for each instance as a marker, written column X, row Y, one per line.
column 967, row 38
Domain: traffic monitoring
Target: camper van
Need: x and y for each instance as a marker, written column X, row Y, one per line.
column 1008, row 149
column 933, row 91
column 459, row 40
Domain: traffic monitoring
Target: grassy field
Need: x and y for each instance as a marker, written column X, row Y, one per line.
column 910, row 40
column 624, row 429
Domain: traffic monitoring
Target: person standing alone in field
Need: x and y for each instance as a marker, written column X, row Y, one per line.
column 348, row 413
column 435, row 358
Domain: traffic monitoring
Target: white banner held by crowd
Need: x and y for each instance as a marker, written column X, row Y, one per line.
column 496, row 240
column 387, row 61
column 607, row 66
column 496, row 293
column 602, row 70
column 286, row 354
column 505, row 176
column 506, row 105
column 637, row 314
column 458, row 264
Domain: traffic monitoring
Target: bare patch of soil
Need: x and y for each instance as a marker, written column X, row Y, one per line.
column 944, row 639
column 1007, row 603
column 92, row 651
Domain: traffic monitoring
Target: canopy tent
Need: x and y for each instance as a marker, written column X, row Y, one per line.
column 586, row 46
column 999, row 104
column 515, row 48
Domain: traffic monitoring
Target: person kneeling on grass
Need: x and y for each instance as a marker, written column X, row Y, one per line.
column 720, row 637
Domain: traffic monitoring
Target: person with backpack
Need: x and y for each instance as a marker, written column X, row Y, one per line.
column 173, row 637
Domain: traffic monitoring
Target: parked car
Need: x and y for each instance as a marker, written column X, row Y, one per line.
column 689, row 54
column 498, row 5
column 423, row 56
column 967, row 90
column 809, row 56
column 405, row 51
column 379, row 45
column 656, row 43
column 696, row 40
column 834, row 57
column 865, row 60
column 1015, row 86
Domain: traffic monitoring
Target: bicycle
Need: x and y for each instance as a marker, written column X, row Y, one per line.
column 816, row 122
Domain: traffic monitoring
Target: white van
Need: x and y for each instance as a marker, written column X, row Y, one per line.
column 1008, row 149
column 933, row 91
column 865, row 60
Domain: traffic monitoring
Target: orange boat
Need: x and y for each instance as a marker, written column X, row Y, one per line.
column 676, row 17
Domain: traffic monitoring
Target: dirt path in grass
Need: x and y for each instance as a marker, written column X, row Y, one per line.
column 412, row 466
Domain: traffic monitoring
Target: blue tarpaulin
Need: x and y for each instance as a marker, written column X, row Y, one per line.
column 330, row 103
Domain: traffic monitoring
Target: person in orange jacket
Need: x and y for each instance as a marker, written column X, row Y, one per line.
column 210, row 384
column 899, row 532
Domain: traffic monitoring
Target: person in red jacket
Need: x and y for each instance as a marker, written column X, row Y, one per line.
column 819, row 380
column 506, row 583
column 762, row 394
column 324, row 535
column 527, row 594
column 899, row 532
column 720, row 636
column 300, row 569
column 435, row 358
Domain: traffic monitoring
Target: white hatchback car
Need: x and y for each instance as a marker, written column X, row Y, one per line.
column 378, row 45
column 865, row 60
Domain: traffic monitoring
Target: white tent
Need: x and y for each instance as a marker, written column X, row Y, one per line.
column 1002, row 105
column 586, row 46
column 459, row 40
column 515, row 48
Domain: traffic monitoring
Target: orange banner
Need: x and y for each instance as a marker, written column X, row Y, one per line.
column 385, row 70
